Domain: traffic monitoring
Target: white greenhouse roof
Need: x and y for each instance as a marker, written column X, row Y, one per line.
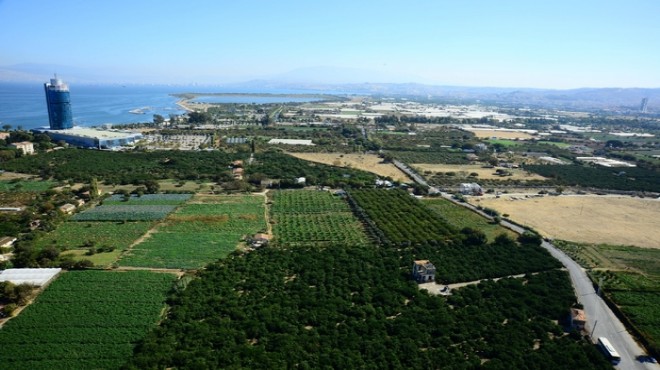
column 37, row 277
column 290, row 141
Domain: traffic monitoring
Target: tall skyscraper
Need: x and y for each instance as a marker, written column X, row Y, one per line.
column 59, row 104
column 643, row 107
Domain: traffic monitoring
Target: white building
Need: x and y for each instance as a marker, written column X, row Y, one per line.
column 470, row 189
column 25, row 146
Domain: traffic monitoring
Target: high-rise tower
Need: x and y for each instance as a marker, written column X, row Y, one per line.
column 644, row 105
column 59, row 104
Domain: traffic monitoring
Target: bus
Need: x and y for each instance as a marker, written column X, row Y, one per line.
column 609, row 350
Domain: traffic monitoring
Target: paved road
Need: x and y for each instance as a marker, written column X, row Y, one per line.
column 600, row 318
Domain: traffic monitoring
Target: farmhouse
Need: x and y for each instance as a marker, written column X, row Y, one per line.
column 423, row 271
column 471, row 189
column 260, row 240
column 25, row 146
column 578, row 318
column 67, row 208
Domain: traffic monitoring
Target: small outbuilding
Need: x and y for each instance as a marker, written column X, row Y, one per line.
column 260, row 240
column 578, row 318
column 423, row 271
column 67, row 208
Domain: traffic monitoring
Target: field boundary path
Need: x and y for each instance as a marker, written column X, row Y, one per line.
column 445, row 289
column 601, row 321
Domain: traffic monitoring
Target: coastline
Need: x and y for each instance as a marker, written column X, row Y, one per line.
column 183, row 104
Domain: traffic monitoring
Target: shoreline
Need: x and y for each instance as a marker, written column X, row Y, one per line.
column 183, row 104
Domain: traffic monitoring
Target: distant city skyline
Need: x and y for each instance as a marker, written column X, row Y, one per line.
column 557, row 45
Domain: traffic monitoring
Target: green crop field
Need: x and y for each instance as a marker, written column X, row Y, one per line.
column 77, row 235
column 310, row 217
column 129, row 212
column 504, row 142
column 25, row 186
column 148, row 199
column 176, row 250
column 85, row 320
column 461, row 217
column 77, row 238
column 202, row 231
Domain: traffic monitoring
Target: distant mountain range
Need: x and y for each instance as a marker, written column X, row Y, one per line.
column 360, row 81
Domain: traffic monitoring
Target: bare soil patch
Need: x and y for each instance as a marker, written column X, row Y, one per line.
column 483, row 173
column 595, row 219
column 365, row 162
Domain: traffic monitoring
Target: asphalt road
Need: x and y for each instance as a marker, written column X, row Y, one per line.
column 601, row 321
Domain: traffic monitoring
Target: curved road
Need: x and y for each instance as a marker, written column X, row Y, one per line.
column 601, row 321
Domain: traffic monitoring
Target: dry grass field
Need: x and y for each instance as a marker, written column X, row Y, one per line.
column 588, row 219
column 365, row 162
column 484, row 173
column 501, row 134
column 5, row 175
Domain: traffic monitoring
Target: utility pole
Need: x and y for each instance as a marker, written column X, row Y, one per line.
column 594, row 329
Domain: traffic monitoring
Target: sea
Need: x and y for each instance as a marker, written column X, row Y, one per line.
column 24, row 105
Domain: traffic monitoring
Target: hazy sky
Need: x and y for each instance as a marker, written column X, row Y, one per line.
column 527, row 43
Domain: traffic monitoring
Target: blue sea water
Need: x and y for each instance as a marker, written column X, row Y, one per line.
column 24, row 105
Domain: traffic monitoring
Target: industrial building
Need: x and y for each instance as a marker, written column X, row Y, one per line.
column 61, row 123
column 93, row 138
column 58, row 100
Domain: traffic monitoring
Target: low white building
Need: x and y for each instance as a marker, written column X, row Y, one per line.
column 290, row 142
column 25, row 146
column 470, row 189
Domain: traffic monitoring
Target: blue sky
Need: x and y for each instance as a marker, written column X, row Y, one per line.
column 545, row 44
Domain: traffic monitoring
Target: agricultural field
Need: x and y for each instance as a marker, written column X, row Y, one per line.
column 431, row 157
column 203, row 230
column 487, row 134
column 77, row 238
column 85, row 320
column 148, row 199
column 400, row 217
column 365, row 162
column 461, row 217
column 463, row 172
column 628, row 178
column 27, row 186
column 595, row 219
column 312, row 218
column 631, row 278
column 125, row 213
column 357, row 308
column 276, row 165
column 401, row 221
